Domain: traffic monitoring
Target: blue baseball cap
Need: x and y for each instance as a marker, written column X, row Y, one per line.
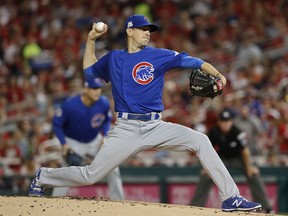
column 93, row 83
column 138, row 20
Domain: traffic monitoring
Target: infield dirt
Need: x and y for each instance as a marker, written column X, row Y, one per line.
column 50, row 206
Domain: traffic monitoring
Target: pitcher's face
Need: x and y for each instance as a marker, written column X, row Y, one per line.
column 140, row 36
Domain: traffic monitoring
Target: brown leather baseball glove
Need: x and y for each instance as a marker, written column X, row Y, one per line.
column 204, row 85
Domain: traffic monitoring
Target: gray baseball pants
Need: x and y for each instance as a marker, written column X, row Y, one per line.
column 114, row 180
column 127, row 138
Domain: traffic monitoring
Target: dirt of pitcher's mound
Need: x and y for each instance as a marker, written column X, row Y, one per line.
column 50, row 206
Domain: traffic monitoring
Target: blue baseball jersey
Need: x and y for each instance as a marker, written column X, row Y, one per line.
column 137, row 78
column 80, row 122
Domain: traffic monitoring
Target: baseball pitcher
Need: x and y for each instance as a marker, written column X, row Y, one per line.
column 137, row 78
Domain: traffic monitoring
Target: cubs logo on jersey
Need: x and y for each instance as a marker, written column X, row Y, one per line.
column 97, row 120
column 142, row 73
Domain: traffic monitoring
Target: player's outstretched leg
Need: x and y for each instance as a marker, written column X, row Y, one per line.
column 35, row 189
column 239, row 203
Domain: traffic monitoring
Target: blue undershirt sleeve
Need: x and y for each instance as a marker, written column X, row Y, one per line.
column 191, row 62
column 100, row 69
column 88, row 73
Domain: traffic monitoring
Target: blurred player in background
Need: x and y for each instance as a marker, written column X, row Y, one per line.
column 80, row 125
column 231, row 145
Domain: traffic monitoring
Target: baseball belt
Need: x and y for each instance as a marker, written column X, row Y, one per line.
column 140, row 117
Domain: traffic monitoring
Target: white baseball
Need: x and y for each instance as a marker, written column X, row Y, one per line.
column 100, row 26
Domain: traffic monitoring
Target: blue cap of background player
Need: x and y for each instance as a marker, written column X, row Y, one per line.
column 137, row 20
column 93, row 83
column 226, row 115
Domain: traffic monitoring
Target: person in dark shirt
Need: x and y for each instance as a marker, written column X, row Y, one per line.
column 231, row 145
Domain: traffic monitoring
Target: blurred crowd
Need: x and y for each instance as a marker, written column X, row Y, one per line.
column 41, row 49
